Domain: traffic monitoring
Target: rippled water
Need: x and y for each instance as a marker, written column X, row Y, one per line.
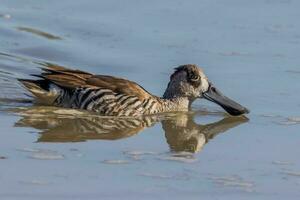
column 249, row 49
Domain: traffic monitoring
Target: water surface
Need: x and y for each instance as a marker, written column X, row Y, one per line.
column 249, row 49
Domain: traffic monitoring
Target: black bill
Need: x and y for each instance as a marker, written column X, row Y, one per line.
column 232, row 107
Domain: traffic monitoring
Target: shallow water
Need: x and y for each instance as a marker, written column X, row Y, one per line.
column 249, row 49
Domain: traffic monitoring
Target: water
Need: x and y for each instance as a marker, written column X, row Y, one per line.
column 249, row 49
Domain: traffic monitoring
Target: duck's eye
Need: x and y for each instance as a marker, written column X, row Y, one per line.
column 194, row 77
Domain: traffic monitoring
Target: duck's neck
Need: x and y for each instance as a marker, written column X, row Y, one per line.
column 175, row 104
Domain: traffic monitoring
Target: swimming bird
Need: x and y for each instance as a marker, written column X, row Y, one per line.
column 112, row 96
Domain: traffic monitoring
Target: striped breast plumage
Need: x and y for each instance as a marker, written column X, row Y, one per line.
column 108, row 102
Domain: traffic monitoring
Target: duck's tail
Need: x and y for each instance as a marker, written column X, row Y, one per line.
column 43, row 91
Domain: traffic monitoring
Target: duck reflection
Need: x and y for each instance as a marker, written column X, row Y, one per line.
column 65, row 125
column 183, row 134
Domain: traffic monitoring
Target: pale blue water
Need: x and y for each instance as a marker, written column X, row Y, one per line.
column 249, row 49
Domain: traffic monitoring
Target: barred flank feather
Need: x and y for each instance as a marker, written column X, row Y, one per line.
column 105, row 95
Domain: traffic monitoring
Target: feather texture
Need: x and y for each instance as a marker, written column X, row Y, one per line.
column 104, row 94
column 73, row 79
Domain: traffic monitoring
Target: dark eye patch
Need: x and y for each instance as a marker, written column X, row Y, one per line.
column 191, row 70
column 193, row 77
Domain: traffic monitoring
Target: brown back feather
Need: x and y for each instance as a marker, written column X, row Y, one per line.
column 75, row 78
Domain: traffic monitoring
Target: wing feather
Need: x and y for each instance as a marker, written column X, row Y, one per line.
column 72, row 79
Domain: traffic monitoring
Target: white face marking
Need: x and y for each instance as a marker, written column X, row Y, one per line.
column 204, row 84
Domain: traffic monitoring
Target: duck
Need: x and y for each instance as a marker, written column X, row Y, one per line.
column 113, row 96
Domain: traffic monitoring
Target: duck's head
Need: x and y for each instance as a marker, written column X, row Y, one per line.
column 190, row 81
